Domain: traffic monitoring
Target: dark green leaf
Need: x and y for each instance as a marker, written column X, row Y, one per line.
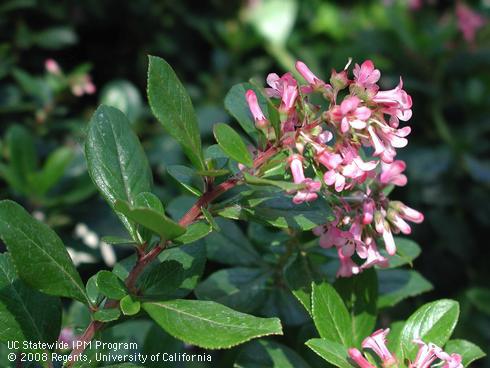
column 284, row 185
column 360, row 294
column 268, row 354
column 25, row 314
column 208, row 324
column 30, row 241
column 115, row 240
column 433, row 322
column 107, row 315
column 480, row 297
column 468, row 351
column 213, row 173
column 129, row 306
column 231, row 143
column 53, row 170
column 110, row 285
column 331, row 351
column 406, row 251
column 299, row 276
column 93, row 293
column 243, row 289
column 330, row 314
column 186, row 177
column 282, row 304
column 398, row 284
column 172, row 106
column 116, row 161
column 194, row 232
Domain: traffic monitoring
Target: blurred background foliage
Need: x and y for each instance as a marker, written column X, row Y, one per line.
column 215, row 44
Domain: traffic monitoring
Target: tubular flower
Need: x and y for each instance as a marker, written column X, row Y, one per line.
column 357, row 357
column 469, row 21
column 351, row 147
column 377, row 343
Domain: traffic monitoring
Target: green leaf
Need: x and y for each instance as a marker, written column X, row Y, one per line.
column 433, row 322
column 330, row 314
column 107, row 315
column 151, row 201
column 284, row 185
column 123, row 95
column 231, row 246
column 276, row 209
column 32, row 242
column 396, row 329
column 194, row 232
column 186, row 177
column 213, row 173
column 55, row 38
column 53, row 170
column 243, row 289
column 359, row 294
column 208, row 324
column 129, row 306
column 93, row 294
column 22, row 155
column 397, row 284
column 268, row 354
column 175, row 273
column 151, row 219
column 232, row 144
column 116, row 161
column 299, row 276
column 25, row 314
column 172, row 106
column 282, row 304
column 116, row 240
column 110, row 285
column 468, row 351
column 406, row 251
column 210, row 219
column 331, row 351
column 480, row 297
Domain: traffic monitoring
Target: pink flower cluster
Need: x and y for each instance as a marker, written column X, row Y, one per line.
column 79, row 84
column 469, row 21
column 427, row 353
column 348, row 149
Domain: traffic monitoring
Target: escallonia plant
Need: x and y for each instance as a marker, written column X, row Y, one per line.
column 312, row 185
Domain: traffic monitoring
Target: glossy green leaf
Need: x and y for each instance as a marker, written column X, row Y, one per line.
column 213, row 173
column 243, row 289
column 433, row 322
column 282, row 304
column 194, row 232
column 187, row 178
column 129, row 306
column 331, row 351
column 151, row 219
column 28, row 241
column 93, row 293
column 406, row 251
column 110, row 285
column 359, row 294
column 208, row 324
column 398, row 284
column 268, row 354
column 116, row 240
column 330, row 314
column 468, row 351
column 25, row 314
column 116, row 161
column 172, row 106
column 107, row 315
column 123, row 95
column 230, row 245
column 232, row 144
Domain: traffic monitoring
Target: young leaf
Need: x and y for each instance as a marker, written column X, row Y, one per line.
column 433, row 322
column 187, row 178
column 468, row 351
column 194, row 232
column 110, row 285
column 331, row 351
column 25, row 314
column 151, row 219
column 32, row 242
column 172, row 106
column 268, row 354
column 232, row 144
column 330, row 315
column 240, row 288
column 129, row 306
column 399, row 284
column 107, row 315
column 360, row 294
column 208, row 324
column 116, row 161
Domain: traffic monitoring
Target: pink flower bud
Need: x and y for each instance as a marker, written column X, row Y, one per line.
column 52, row 66
column 365, row 75
column 357, row 357
column 253, row 104
column 307, row 74
column 368, row 207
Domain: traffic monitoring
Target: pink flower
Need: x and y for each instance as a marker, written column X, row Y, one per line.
column 385, row 139
column 347, row 266
column 329, row 159
column 469, row 21
column 83, row 85
column 368, row 207
column 357, row 357
column 408, row 213
column 258, row 115
column 307, row 194
column 67, row 336
column 450, row 361
column 52, row 67
column 377, row 343
column 369, row 251
column 365, row 75
column 395, row 102
column 350, row 114
column 308, row 75
column 285, row 88
column 392, row 173
column 426, row 354
column 383, row 228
